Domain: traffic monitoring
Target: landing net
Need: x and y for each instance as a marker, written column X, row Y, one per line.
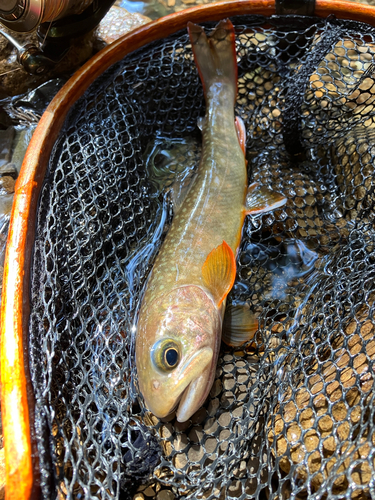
column 291, row 414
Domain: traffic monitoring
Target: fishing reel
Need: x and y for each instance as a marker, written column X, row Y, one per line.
column 56, row 22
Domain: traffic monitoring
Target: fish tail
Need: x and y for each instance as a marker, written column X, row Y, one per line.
column 215, row 56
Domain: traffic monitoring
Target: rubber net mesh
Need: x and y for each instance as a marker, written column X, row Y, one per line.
column 291, row 413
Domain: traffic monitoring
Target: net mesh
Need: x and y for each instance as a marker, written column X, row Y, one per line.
column 291, row 413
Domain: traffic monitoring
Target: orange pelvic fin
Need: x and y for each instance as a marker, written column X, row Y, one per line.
column 239, row 325
column 215, row 57
column 219, row 272
column 260, row 199
column 241, row 133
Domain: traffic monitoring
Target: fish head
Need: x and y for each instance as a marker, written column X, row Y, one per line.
column 177, row 346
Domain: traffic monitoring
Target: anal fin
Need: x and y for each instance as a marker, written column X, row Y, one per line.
column 239, row 325
column 219, row 272
column 260, row 199
column 241, row 133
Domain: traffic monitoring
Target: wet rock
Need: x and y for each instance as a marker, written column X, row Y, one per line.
column 7, row 184
column 20, row 144
column 6, row 201
column 118, row 22
column 6, row 138
column 8, row 169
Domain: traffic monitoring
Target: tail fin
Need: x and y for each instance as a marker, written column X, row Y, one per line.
column 215, row 57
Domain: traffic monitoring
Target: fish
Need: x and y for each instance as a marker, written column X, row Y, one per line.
column 180, row 321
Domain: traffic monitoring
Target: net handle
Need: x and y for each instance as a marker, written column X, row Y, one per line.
column 17, row 400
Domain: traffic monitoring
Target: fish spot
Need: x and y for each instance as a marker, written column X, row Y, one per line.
column 156, row 384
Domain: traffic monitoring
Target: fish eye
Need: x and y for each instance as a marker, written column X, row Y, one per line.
column 165, row 354
column 171, row 357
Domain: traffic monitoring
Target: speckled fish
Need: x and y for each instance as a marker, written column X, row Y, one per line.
column 180, row 322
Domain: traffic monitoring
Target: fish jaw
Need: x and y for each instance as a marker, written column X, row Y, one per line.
column 193, row 371
column 195, row 394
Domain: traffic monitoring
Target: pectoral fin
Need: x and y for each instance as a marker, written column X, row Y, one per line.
column 219, row 272
column 260, row 199
column 239, row 325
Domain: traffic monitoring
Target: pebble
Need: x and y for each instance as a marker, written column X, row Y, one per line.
column 165, row 495
column 149, row 492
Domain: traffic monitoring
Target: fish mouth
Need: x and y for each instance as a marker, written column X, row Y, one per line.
column 192, row 397
column 188, row 392
column 196, row 391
